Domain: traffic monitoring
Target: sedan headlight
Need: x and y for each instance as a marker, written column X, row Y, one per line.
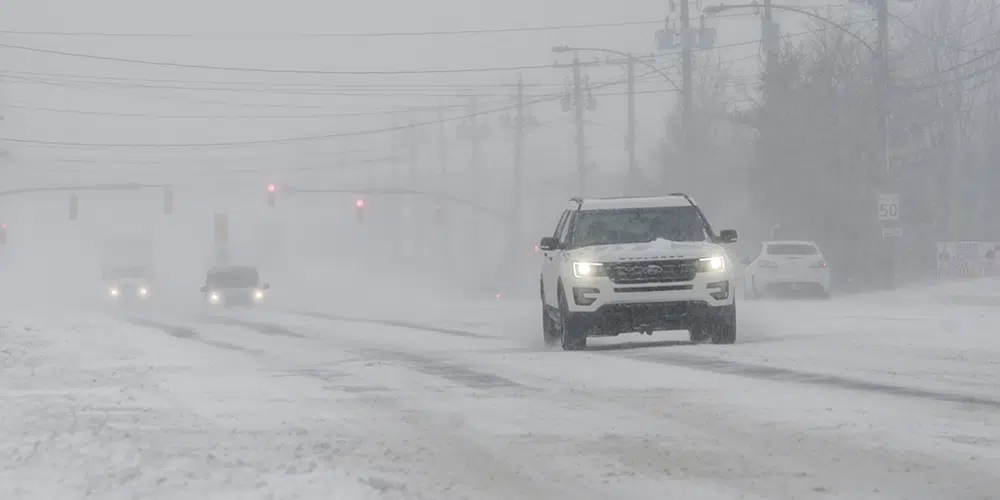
column 712, row 264
column 214, row 298
column 113, row 292
column 588, row 270
column 143, row 292
column 258, row 295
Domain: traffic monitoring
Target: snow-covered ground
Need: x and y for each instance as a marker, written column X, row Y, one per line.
column 368, row 390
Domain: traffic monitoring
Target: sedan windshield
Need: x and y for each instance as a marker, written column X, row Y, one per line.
column 234, row 278
column 641, row 225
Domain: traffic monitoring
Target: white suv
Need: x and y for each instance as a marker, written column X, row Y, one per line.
column 620, row 265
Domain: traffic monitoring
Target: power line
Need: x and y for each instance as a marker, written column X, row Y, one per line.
column 377, row 112
column 357, row 133
column 335, row 35
column 285, row 140
column 117, row 79
column 335, row 72
column 277, row 70
column 946, row 45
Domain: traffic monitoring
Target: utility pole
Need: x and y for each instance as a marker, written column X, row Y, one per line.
column 882, row 6
column 442, row 187
column 392, row 202
column 414, row 228
column 515, row 236
column 581, row 144
column 770, row 43
column 633, row 166
column 687, row 90
column 474, row 165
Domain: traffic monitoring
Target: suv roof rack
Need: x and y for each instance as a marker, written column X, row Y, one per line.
column 578, row 200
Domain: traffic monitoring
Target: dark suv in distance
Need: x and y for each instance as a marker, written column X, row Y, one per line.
column 232, row 286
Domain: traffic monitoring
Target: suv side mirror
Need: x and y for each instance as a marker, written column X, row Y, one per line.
column 265, row 286
column 549, row 243
column 728, row 236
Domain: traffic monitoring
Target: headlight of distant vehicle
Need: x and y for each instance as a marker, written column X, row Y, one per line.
column 258, row 295
column 214, row 297
column 113, row 291
column 588, row 270
column 143, row 292
column 713, row 264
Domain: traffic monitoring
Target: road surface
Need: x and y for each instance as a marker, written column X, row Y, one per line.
column 853, row 398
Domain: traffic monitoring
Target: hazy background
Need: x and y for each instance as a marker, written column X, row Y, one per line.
column 218, row 137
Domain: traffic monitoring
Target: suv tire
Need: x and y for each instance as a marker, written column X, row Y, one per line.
column 550, row 331
column 717, row 326
column 572, row 338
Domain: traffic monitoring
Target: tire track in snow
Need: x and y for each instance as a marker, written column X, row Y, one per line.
column 261, row 328
column 396, row 323
column 713, row 365
column 453, row 372
column 763, row 372
column 185, row 333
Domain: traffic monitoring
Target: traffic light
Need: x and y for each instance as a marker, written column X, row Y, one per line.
column 272, row 194
column 74, row 207
column 168, row 202
column 360, row 204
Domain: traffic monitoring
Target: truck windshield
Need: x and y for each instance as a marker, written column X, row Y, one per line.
column 234, row 278
column 641, row 225
column 129, row 272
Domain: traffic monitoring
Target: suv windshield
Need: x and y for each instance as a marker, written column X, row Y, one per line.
column 637, row 225
column 795, row 249
column 234, row 278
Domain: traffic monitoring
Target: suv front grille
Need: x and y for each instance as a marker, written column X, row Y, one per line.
column 660, row 271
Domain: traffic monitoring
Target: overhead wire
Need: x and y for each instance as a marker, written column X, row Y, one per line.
column 335, row 34
column 356, row 133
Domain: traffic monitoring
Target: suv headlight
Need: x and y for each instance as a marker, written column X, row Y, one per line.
column 588, row 270
column 714, row 264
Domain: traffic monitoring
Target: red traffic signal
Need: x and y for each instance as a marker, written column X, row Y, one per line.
column 360, row 204
column 272, row 191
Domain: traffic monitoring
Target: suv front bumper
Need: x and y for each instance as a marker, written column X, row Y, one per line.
column 591, row 294
column 614, row 319
column 602, row 307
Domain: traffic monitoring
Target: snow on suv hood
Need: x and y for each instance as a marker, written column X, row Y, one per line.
column 653, row 250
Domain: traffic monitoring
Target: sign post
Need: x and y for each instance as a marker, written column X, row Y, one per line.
column 888, row 215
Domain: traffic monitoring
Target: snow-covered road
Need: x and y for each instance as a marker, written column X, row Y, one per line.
column 864, row 397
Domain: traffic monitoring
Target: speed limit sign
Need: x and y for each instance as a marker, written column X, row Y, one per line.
column 888, row 207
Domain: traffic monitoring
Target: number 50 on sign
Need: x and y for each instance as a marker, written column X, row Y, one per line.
column 888, row 207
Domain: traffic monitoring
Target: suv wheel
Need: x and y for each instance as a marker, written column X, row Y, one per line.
column 717, row 327
column 572, row 338
column 550, row 332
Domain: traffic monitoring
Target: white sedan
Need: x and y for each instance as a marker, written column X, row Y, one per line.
column 787, row 266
